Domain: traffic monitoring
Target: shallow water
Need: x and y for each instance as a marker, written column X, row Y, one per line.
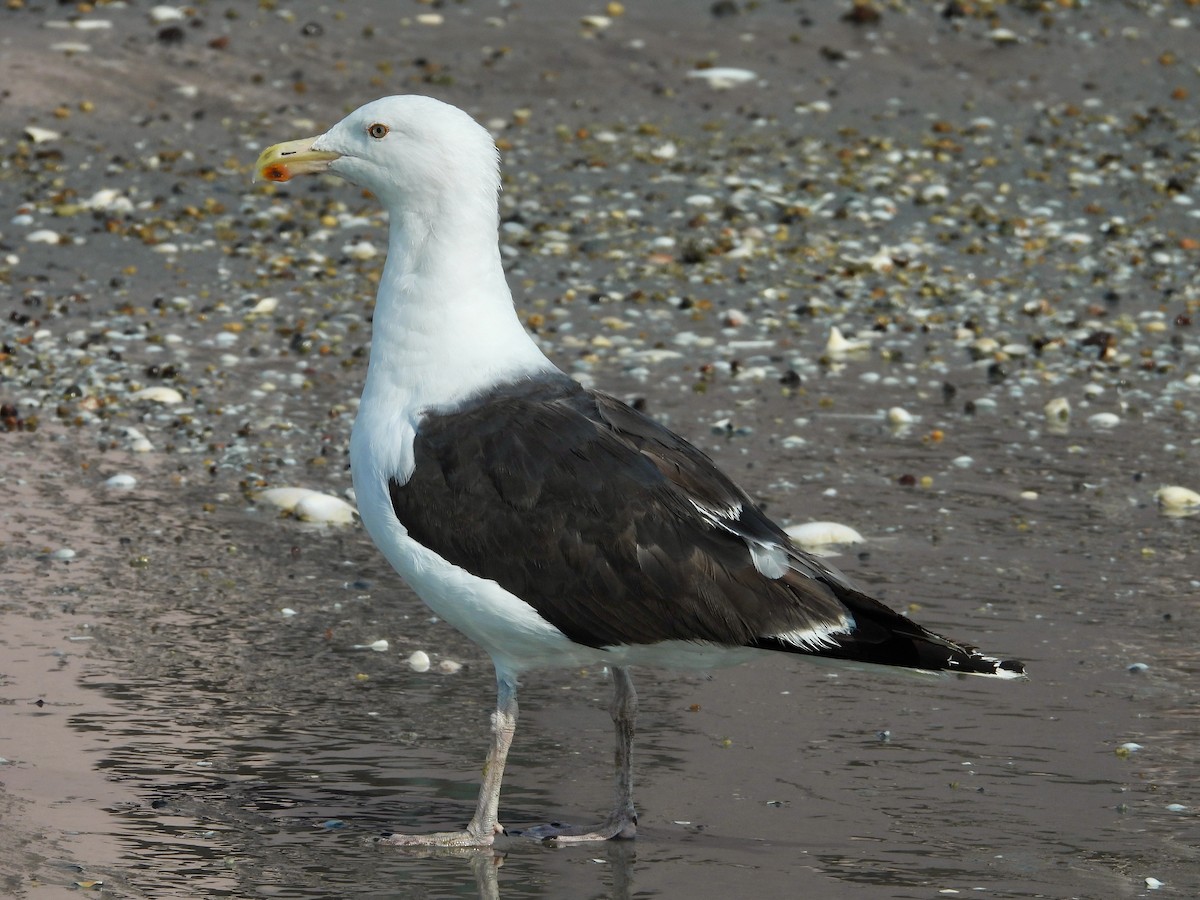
column 168, row 731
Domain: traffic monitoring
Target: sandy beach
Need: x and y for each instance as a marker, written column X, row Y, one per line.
column 925, row 269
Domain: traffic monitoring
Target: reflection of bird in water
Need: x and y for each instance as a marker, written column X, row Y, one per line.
column 552, row 525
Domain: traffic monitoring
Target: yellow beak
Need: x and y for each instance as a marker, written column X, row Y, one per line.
column 283, row 162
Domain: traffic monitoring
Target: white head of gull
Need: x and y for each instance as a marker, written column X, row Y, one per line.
column 554, row 526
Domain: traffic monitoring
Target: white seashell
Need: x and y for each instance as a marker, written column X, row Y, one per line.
column 361, row 250
column 158, row 394
column 819, row 536
column 419, row 661
column 1104, row 420
column 109, row 199
column 881, row 261
column 449, row 666
column 838, row 343
column 43, row 236
column 665, row 151
column 1153, row 883
column 265, row 306
column 41, row 135
column 160, row 15
column 121, row 481
column 287, row 612
column 1058, row 409
column 722, row 78
column 597, row 23
column 899, row 417
column 378, row 646
column 317, row 507
column 285, row 498
column 1174, row 500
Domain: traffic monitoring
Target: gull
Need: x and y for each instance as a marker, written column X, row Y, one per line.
column 554, row 526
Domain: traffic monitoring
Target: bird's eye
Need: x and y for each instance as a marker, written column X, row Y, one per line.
column 378, row 131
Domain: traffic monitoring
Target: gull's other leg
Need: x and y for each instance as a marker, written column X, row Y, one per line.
column 622, row 821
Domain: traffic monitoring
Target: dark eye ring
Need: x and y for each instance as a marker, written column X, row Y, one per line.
column 378, row 131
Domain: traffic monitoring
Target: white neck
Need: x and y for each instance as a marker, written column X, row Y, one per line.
column 444, row 325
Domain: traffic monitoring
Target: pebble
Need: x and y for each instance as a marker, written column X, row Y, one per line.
column 449, row 666
column 1153, row 883
column 63, row 553
column 1138, row 667
column 121, row 481
column 287, row 612
column 418, row 661
column 43, row 236
column 898, row 417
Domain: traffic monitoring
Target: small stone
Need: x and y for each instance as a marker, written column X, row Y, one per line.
column 418, row 661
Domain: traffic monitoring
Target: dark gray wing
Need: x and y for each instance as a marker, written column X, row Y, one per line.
column 613, row 528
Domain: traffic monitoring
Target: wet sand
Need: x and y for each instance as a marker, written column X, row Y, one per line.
column 1000, row 206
